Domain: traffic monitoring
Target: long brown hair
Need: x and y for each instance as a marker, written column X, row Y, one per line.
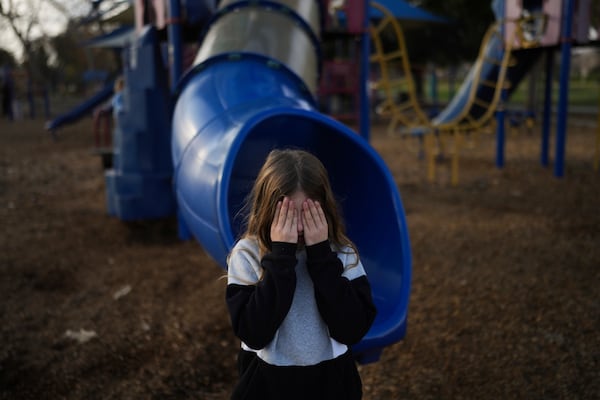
column 283, row 173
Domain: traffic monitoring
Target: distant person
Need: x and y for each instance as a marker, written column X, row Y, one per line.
column 104, row 115
column 8, row 93
column 297, row 292
column 117, row 99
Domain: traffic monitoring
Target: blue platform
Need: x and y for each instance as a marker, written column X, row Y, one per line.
column 140, row 184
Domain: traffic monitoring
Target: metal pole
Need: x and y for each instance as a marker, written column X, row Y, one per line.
column 175, row 70
column 433, row 90
column 175, row 51
column 597, row 152
column 500, row 133
column 563, row 94
column 500, row 128
column 365, row 123
column 547, row 118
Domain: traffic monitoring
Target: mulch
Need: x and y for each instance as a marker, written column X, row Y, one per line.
column 504, row 298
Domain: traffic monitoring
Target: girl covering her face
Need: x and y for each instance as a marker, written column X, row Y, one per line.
column 297, row 293
column 284, row 173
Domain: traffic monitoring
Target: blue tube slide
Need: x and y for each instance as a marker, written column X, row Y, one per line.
column 82, row 109
column 236, row 106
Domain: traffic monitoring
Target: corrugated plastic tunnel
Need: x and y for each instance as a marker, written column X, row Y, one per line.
column 250, row 91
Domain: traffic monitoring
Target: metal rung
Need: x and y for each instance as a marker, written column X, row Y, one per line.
column 481, row 103
column 382, row 25
column 491, row 84
column 376, row 57
column 393, row 55
column 403, row 106
column 471, row 119
column 384, row 107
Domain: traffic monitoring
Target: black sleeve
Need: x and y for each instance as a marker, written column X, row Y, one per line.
column 345, row 305
column 256, row 311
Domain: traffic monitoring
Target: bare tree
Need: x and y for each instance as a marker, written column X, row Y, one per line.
column 31, row 20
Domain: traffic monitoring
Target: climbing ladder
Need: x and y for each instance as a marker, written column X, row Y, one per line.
column 395, row 74
column 471, row 109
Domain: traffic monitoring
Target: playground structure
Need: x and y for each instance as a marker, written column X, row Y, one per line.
column 522, row 33
column 243, row 98
column 191, row 144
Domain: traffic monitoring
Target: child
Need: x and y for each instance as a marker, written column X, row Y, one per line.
column 297, row 292
column 108, row 112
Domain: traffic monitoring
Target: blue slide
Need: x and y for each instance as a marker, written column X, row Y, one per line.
column 82, row 109
column 252, row 90
column 522, row 61
column 487, row 69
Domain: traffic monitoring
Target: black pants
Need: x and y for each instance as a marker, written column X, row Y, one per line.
column 336, row 379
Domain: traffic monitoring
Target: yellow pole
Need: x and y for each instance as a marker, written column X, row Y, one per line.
column 430, row 156
column 456, row 153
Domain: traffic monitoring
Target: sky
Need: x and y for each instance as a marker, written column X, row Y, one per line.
column 51, row 20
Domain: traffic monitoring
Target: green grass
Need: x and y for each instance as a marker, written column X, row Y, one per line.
column 581, row 93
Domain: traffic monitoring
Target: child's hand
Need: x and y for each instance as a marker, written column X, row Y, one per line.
column 285, row 223
column 315, row 223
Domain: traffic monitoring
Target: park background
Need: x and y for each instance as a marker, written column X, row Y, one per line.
column 503, row 302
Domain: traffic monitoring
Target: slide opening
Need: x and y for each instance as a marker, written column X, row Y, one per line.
column 371, row 210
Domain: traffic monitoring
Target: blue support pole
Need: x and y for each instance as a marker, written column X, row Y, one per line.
column 563, row 94
column 500, row 133
column 176, row 68
column 547, row 118
column 500, row 128
column 175, row 51
column 365, row 123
